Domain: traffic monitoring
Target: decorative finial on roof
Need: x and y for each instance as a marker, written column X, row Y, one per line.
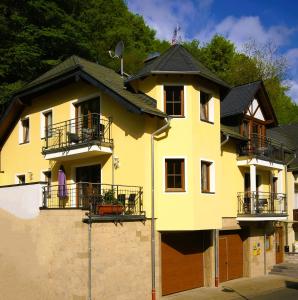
column 176, row 39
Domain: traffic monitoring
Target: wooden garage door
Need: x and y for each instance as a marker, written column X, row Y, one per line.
column 182, row 260
column 230, row 255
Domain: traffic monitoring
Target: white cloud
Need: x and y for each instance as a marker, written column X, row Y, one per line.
column 164, row 15
column 293, row 89
column 247, row 28
column 292, row 60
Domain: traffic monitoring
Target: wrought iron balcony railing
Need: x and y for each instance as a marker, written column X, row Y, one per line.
column 100, row 199
column 262, row 203
column 85, row 130
column 263, row 147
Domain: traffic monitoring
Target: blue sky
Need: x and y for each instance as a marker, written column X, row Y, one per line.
column 263, row 21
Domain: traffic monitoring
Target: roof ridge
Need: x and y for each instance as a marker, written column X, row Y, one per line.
column 248, row 83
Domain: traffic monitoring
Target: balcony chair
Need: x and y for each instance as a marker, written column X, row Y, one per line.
column 131, row 204
column 261, row 205
column 246, row 205
column 121, row 199
column 72, row 138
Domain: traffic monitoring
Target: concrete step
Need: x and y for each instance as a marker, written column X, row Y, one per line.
column 294, row 275
column 287, row 266
column 285, row 269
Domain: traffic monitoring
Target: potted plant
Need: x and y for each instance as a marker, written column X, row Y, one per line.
column 110, row 205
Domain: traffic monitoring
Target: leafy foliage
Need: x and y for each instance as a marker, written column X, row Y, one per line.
column 254, row 63
column 38, row 34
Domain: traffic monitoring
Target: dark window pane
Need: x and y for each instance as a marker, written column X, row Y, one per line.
column 170, row 181
column 177, row 109
column 170, row 166
column 178, row 181
column 174, row 173
column 173, row 100
column 169, row 109
column 178, row 166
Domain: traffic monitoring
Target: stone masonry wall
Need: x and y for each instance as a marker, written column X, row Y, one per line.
column 47, row 258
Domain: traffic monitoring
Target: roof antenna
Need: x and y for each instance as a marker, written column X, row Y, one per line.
column 118, row 54
column 176, row 39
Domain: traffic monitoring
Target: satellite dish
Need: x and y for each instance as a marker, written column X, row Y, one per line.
column 119, row 49
column 118, row 54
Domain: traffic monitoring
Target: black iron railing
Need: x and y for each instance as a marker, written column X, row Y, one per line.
column 263, row 147
column 262, row 203
column 85, row 130
column 100, row 199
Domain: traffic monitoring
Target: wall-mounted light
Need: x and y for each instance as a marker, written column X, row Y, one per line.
column 30, row 176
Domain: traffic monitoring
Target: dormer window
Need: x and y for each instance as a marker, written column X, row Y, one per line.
column 174, row 101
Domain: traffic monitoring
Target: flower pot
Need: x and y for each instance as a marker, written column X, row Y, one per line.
column 109, row 209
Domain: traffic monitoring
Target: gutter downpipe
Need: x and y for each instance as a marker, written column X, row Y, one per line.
column 216, row 234
column 155, row 133
column 286, row 190
column 226, row 139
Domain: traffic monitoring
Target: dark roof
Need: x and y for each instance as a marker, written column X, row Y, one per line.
column 232, row 132
column 107, row 78
column 287, row 135
column 238, row 99
column 176, row 60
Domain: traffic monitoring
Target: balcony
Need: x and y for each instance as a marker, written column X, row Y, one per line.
column 262, row 206
column 105, row 202
column 262, row 147
column 88, row 134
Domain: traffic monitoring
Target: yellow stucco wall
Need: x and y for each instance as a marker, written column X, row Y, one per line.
column 193, row 140
column 131, row 134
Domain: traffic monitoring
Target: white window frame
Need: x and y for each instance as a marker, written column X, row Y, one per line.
column 21, row 130
column 184, row 100
column 42, row 121
column 164, row 175
column 211, row 112
column 212, row 176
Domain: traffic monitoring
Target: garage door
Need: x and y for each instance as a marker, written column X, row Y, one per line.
column 230, row 255
column 182, row 260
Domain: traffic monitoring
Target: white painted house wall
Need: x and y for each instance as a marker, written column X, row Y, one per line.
column 23, row 201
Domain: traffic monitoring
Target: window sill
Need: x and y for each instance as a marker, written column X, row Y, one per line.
column 23, row 143
column 176, row 116
column 207, row 121
column 210, row 193
column 175, row 190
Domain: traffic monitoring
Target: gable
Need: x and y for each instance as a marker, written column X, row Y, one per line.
column 249, row 100
column 255, row 110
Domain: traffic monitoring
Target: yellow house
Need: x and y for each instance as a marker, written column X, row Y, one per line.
column 174, row 171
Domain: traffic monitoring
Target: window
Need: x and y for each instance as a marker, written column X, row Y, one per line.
column 25, row 131
column 48, row 179
column 174, row 101
column 207, row 177
column 245, row 128
column 21, row 179
column 175, row 178
column 204, row 106
column 48, row 122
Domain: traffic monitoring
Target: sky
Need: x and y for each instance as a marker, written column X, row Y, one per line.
column 263, row 21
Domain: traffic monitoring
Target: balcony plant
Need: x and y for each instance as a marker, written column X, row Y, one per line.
column 110, row 205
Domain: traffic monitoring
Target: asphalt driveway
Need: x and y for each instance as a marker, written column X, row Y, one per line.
column 260, row 288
